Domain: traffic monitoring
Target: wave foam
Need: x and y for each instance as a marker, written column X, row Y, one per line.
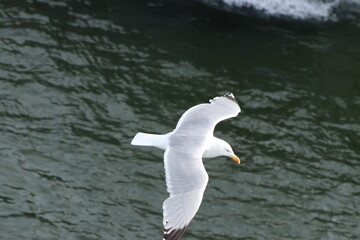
column 298, row 9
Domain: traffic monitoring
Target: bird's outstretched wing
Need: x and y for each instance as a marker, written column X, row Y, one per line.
column 204, row 117
column 186, row 180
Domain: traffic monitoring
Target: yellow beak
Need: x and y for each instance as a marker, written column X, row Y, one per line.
column 235, row 158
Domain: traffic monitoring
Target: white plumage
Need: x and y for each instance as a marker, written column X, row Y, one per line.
column 186, row 177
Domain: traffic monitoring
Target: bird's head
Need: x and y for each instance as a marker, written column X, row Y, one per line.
column 226, row 150
column 219, row 147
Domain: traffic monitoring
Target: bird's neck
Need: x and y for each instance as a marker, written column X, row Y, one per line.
column 214, row 148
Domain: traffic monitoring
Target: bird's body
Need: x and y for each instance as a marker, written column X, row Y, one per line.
column 186, row 177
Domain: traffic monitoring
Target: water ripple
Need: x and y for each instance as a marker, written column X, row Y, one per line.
column 78, row 80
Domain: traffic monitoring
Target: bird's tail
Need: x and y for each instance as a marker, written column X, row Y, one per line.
column 146, row 139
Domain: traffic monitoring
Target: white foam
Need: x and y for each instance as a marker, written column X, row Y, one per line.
column 300, row 9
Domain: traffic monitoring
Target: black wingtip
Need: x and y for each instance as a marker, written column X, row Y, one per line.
column 174, row 234
column 230, row 96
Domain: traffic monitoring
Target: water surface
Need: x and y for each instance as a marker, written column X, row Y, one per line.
column 78, row 80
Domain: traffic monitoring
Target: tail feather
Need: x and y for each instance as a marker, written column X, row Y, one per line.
column 146, row 139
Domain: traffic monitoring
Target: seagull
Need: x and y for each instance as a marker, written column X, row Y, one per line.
column 185, row 146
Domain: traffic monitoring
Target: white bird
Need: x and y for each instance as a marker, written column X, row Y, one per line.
column 185, row 146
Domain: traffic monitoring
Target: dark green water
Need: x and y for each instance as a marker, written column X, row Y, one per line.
column 78, row 80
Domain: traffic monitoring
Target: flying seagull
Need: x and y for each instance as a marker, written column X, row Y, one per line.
column 185, row 146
